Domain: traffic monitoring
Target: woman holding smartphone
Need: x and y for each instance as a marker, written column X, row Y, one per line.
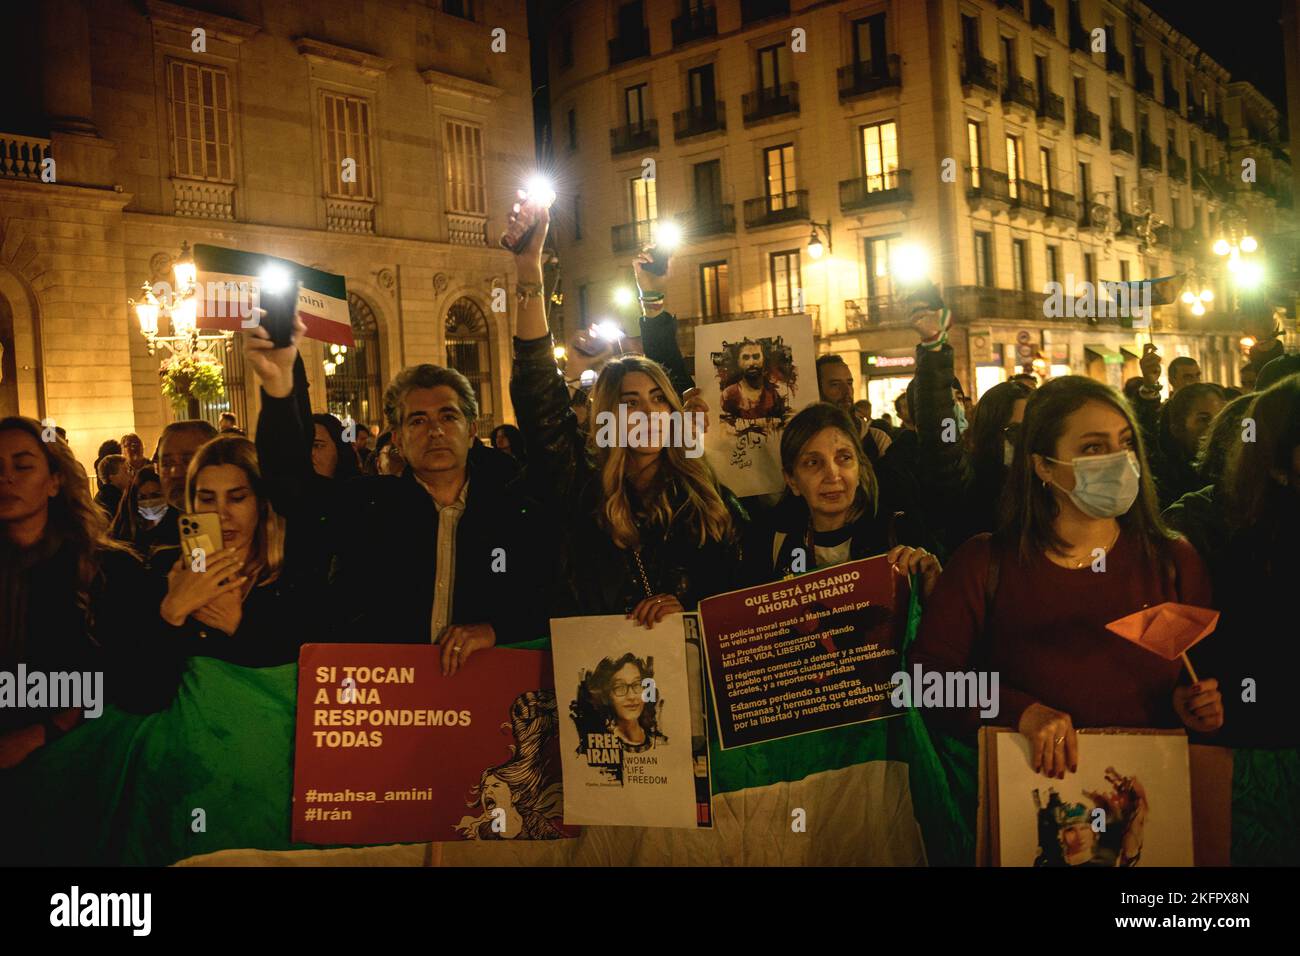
column 647, row 530
column 235, row 603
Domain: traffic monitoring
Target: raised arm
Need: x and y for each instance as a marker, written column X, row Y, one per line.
column 556, row 453
column 284, row 434
column 659, row 327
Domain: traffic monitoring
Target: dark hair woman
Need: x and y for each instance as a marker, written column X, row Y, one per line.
column 646, row 528
column 1255, row 572
column 331, row 456
column 1200, row 515
column 509, row 439
column 960, row 476
column 139, row 518
column 70, row 597
column 1183, row 421
column 832, row 511
column 1080, row 545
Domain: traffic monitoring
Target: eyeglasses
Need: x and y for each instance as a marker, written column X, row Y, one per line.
column 621, row 689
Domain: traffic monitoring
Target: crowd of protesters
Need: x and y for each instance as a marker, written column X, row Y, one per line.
column 1028, row 520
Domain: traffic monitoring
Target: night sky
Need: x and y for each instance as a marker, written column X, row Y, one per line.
column 1245, row 36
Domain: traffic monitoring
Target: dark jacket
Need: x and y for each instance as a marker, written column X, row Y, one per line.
column 872, row 534
column 1172, row 469
column 120, row 633
column 276, row 620
column 378, row 537
column 108, row 499
column 1200, row 517
column 960, row 495
column 596, row 576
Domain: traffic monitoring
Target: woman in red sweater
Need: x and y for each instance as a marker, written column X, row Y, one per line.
column 1080, row 544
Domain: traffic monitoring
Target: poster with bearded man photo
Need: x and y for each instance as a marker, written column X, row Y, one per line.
column 755, row 375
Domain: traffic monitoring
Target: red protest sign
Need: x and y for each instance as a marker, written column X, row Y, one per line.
column 388, row 750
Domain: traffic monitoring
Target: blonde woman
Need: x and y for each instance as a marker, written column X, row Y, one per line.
column 647, row 530
column 236, row 604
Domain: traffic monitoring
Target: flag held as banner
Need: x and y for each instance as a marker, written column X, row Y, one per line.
column 227, row 284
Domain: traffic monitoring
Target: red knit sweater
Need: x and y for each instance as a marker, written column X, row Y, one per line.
column 1046, row 634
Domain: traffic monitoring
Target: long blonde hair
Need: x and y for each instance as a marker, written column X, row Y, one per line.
column 268, row 541
column 703, row 506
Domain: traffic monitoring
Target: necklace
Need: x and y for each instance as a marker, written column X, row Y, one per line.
column 1078, row 563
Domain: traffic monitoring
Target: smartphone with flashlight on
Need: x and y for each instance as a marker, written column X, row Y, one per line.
column 520, row 231
column 278, row 300
column 667, row 238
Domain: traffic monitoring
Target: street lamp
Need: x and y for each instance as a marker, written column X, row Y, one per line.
column 179, row 305
column 815, row 248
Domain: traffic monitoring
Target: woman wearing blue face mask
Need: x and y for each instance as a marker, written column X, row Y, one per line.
column 1079, row 544
column 140, row 513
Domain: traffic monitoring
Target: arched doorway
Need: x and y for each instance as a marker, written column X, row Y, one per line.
column 469, row 351
column 8, row 362
column 356, row 388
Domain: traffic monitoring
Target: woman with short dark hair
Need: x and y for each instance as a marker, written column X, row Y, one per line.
column 1080, row 544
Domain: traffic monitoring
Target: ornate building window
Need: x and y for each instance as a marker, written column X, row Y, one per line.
column 469, row 351
column 356, row 388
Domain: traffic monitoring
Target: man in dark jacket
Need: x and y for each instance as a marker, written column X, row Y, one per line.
column 451, row 547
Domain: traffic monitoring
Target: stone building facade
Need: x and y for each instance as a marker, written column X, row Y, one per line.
column 988, row 137
column 227, row 125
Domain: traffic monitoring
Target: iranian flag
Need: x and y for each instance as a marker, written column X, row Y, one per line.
column 228, row 280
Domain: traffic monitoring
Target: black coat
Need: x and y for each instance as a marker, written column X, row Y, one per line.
column 121, row 633
column 277, row 619
column 376, row 537
column 595, row 576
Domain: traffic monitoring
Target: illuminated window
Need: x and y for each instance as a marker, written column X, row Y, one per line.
column 880, row 156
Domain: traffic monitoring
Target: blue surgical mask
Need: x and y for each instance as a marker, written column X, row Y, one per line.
column 959, row 410
column 1105, row 486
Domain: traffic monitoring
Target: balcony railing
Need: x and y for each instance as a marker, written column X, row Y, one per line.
column 867, row 76
column 695, row 25
column 751, row 11
column 981, row 302
column 977, row 71
column 1025, row 195
column 1121, row 140
column 1198, row 178
column 1149, row 154
column 1114, row 60
column 1177, row 165
column 1051, row 106
column 1144, row 80
column 21, row 156
column 634, row 136
column 777, row 208
column 1062, row 206
column 1090, row 217
column 462, row 229
column 1128, row 223
column 878, row 189
column 1020, row 92
column 685, row 323
column 698, row 120
column 634, row 236
column 629, row 46
column 1185, row 240
column 711, row 219
column 1173, row 99
column 769, row 101
column 1041, row 14
column 1087, row 123
column 1194, row 112
column 205, row 200
column 988, row 183
column 874, row 312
